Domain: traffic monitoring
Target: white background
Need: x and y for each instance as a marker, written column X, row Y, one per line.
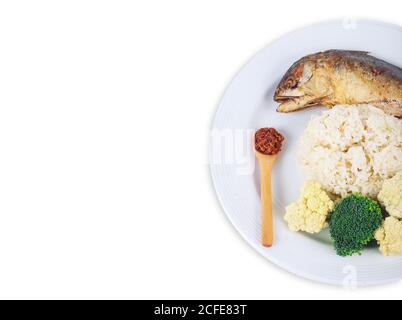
column 105, row 109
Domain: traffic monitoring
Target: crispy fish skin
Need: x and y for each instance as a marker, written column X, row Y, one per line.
column 341, row 77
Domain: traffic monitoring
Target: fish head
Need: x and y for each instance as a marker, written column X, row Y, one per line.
column 297, row 90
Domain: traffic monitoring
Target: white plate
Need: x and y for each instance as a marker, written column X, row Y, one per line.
column 248, row 104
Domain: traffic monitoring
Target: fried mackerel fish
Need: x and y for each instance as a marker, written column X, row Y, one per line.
column 341, row 77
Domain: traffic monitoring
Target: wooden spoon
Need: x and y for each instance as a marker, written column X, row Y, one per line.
column 266, row 163
column 267, row 145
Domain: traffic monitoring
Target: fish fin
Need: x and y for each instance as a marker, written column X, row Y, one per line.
column 392, row 107
column 350, row 51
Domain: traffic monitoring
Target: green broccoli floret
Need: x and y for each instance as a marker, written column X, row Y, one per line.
column 353, row 224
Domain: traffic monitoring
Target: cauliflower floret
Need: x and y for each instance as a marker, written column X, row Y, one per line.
column 391, row 196
column 389, row 237
column 310, row 212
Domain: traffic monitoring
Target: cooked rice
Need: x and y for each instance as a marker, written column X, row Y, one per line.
column 352, row 149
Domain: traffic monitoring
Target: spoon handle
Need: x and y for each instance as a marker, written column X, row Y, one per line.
column 267, row 229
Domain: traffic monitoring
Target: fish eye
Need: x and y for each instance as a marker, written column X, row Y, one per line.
column 292, row 83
